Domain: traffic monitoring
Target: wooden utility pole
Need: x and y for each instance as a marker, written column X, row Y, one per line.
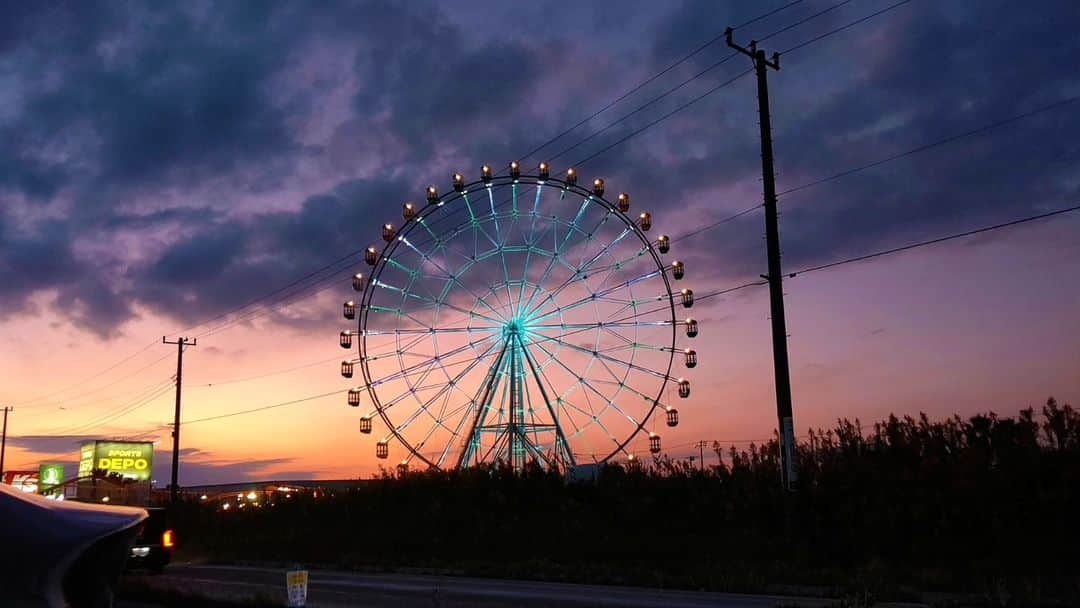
column 174, row 488
column 775, row 277
column 3, row 442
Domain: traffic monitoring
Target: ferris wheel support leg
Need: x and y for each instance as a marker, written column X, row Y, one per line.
column 562, row 448
column 481, row 407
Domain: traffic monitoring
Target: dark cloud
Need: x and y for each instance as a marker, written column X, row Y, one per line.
column 199, row 467
column 59, row 446
column 162, row 125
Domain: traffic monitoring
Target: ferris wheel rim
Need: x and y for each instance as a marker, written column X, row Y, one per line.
column 412, row 224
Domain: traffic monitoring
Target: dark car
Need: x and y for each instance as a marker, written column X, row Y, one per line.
column 154, row 545
column 61, row 554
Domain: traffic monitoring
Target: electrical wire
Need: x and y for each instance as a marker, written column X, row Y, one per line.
column 958, row 235
column 843, row 27
column 940, row 142
column 96, row 390
column 86, row 379
column 263, row 408
column 652, row 78
column 152, row 392
column 273, row 373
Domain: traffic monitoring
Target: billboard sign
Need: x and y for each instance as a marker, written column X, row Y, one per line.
column 27, row 481
column 129, row 459
column 50, row 476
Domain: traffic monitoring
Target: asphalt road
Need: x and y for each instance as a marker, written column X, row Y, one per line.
column 336, row 588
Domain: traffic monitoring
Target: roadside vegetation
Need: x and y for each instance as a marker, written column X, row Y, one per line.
column 987, row 505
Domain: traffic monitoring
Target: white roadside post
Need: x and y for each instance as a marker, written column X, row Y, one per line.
column 296, row 582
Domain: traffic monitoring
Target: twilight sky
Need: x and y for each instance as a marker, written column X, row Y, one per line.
column 161, row 166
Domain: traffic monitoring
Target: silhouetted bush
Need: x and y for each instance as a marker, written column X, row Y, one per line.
column 906, row 504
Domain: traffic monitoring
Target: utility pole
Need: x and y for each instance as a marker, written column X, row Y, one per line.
column 701, row 453
column 174, row 488
column 3, row 442
column 775, row 277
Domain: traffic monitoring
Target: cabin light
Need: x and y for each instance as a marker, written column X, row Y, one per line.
column 571, row 176
column 485, row 174
column 645, row 221
column 598, row 186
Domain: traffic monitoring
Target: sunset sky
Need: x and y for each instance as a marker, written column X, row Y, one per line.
column 161, row 167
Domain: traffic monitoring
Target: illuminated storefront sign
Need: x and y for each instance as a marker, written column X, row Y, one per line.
column 51, row 475
column 27, row 481
column 129, row 459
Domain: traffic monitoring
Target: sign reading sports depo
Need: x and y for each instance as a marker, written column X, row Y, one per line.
column 129, row 459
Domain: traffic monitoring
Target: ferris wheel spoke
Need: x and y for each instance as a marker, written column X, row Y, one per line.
column 540, row 382
column 553, row 258
column 483, row 406
column 436, row 302
column 605, row 357
column 494, row 215
column 431, row 360
column 585, row 300
column 600, row 325
column 589, row 237
column 619, row 264
column 463, row 410
column 585, row 383
column 372, row 353
column 429, row 330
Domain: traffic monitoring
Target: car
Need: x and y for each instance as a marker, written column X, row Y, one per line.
column 154, row 544
column 62, row 554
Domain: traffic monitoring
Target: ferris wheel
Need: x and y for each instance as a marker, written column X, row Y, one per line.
column 516, row 319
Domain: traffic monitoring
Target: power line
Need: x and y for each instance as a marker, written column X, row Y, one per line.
column 958, row 235
column 104, row 386
column 664, row 117
column 946, row 140
column 884, row 252
column 652, row 78
column 264, row 408
column 88, row 378
column 726, row 83
column 264, row 375
column 142, row 399
column 844, row 27
column 877, row 163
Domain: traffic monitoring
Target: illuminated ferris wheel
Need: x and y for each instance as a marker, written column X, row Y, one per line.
column 516, row 319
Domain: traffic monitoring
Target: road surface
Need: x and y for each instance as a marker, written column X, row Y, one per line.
column 329, row 588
